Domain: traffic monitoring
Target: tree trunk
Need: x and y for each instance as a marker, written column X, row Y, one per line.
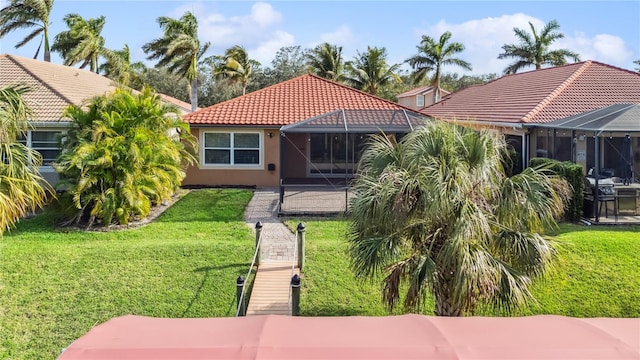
column 194, row 95
column 444, row 305
column 47, row 50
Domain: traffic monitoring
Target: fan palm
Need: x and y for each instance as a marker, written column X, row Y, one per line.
column 437, row 215
column 533, row 49
column 22, row 189
column 83, row 43
column 179, row 49
column 325, row 60
column 236, row 66
column 21, row 14
column 370, row 72
column 119, row 157
column 432, row 56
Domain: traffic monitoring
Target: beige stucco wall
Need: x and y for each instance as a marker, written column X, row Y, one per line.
column 258, row 176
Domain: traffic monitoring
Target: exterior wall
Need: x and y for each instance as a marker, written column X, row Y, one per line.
column 408, row 101
column 203, row 175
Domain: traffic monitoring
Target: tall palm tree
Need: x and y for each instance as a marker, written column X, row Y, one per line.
column 236, row 66
column 325, row 60
column 370, row 72
column 83, row 42
column 179, row 49
column 122, row 70
column 533, row 49
column 436, row 214
column 432, row 56
column 22, row 189
column 21, row 14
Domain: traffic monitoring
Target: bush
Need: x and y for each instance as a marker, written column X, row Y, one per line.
column 123, row 155
column 574, row 175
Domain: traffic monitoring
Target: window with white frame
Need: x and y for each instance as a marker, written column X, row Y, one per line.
column 47, row 143
column 232, row 149
column 420, row 100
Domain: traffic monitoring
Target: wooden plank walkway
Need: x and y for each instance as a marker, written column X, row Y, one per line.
column 271, row 289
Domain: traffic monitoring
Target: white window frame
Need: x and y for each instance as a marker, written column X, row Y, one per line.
column 418, row 98
column 258, row 166
column 29, row 143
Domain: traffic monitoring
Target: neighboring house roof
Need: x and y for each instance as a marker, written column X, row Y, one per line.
column 422, row 90
column 290, row 101
column 541, row 96
column 54, row 86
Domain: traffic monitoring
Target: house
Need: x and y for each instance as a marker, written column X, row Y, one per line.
column 53, row 88
column 303, row 129
column 518, row 104
column 419, row 98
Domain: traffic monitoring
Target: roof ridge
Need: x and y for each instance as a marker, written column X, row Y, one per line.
column 556, row 92
column 38, row 79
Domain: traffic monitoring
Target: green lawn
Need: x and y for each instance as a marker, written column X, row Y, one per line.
column 597, row 275
column 55, row 285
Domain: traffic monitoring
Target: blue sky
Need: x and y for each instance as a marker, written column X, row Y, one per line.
column 606, row 31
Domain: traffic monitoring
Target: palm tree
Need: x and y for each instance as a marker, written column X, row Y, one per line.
column 179, row 49
column 20, row 14
column 83, row 42
column 123, row 71
column 236, row 66
column 370, row 72
column 123, row 154
column 435, row 213
column 325, row 60
column 637, row 62
column 22, row 189
column 432, row 56
column 533, row 49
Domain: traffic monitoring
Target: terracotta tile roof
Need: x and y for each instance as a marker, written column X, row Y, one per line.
column 53, row 86
column 290, row 101
column 542, row 96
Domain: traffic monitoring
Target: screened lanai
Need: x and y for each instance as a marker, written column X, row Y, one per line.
column 322, row 153
column 606, row 142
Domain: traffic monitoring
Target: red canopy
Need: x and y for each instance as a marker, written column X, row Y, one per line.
column 393, row 337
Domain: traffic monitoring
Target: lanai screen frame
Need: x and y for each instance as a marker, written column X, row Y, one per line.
column 616, row 118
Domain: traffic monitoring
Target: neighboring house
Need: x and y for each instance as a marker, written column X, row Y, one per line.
column 515, row 104
column 419, row 98
column 304, row 129
column 53, row 88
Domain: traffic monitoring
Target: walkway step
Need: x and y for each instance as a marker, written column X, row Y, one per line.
column 271, row 289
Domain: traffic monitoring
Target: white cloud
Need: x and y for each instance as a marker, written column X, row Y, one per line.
column 342, row 36
column 483, row 40
column 266, row 50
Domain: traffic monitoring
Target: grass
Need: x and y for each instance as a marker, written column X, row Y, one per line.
column 55, row 285
column 596, row 275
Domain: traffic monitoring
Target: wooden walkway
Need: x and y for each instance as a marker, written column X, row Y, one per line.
column 271, row 289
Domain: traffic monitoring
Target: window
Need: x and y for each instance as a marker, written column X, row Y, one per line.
column 232, row 149
column 47, row 143
column 420, row 100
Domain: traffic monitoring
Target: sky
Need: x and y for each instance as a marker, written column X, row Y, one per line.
column 605, row 31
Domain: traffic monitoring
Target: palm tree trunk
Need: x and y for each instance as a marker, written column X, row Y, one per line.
column 194, row 95
column 444, row 303
column 47, row 50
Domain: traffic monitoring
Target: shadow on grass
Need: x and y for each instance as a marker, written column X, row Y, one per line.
column 333, row 311
column 219, row 205
column 240, row 268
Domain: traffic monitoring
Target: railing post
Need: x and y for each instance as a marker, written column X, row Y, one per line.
column 258, row 233
column 295, row 295
column 239, row 298
column 301, row 239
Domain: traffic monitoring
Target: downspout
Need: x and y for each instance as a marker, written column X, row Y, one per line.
column 596, row 173
column 281, row 151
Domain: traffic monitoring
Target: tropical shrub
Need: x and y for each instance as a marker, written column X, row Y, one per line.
column 436, row 214
column 22, row 189
column 124, row 154
column 574, row 175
